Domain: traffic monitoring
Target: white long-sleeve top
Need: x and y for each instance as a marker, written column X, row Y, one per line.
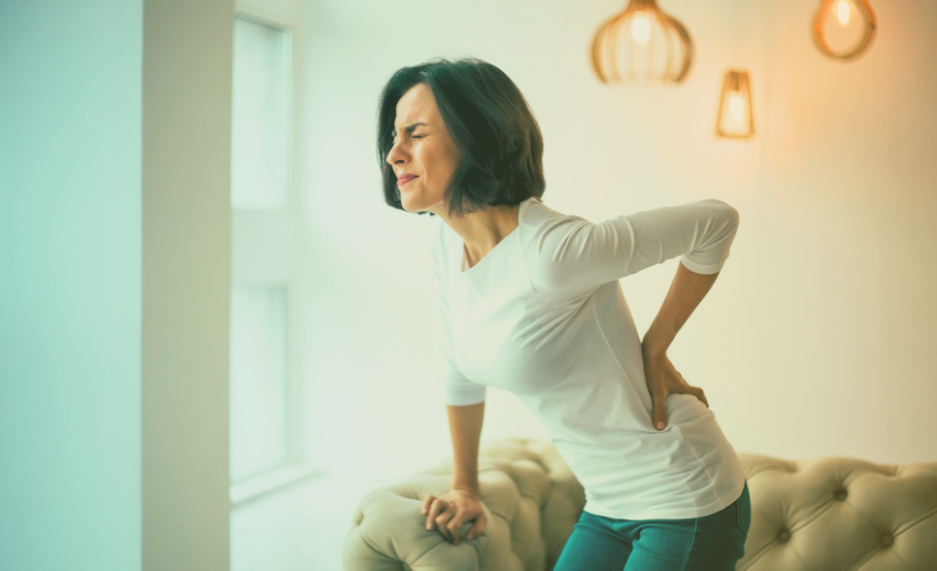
column 542, row 316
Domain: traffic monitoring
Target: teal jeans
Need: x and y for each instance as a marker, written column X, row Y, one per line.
column 711, row 543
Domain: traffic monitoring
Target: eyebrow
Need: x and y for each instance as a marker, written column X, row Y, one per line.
column 410, row 128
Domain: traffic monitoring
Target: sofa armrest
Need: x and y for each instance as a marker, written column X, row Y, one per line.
column 533, row 498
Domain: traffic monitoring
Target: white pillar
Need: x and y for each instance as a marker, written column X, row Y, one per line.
column 187, row 51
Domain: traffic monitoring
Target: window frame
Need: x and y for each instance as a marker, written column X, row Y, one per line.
column 280, row 229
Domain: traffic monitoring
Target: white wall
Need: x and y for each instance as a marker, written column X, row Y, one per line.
column 70, row 297
column 819, row 336
column 114, row 283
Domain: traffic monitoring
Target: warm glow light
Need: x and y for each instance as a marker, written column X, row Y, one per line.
column 640, row 27
column 844, row 29
column 736, row 106
column 641, row 46
column 842, row 12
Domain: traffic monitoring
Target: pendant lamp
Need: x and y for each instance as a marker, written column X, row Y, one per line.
column 641, row 46
column 735, row 106
column 843, row 29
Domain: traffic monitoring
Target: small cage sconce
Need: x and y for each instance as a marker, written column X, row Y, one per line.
column 735, row 106
column 843, row 29
column 642, row 46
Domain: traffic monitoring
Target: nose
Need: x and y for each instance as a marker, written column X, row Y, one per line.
column 395, row 155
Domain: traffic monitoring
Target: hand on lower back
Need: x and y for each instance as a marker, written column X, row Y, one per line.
column 662, row 380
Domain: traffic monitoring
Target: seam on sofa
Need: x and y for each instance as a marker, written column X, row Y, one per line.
column 915, row 522
column 511, row 546
column 866, row 518
column 863, row 559
column 502, row 516
column 823, row 509
column 768, row 467
column 898, row 555
column 758, row 555
column 801, row 557
column 371, row 547
column 475, row 547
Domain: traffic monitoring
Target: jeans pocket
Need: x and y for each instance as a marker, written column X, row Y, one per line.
column 743, row 511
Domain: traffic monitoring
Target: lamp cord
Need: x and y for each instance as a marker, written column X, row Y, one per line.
column 735, row 52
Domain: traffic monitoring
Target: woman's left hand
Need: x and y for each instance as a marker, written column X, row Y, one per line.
column 663, row 379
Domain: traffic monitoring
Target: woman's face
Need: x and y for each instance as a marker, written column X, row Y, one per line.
column 422, row 147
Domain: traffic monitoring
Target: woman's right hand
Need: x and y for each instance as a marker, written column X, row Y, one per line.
column 449, row 511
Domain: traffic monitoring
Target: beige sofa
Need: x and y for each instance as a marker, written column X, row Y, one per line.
column 817, row 515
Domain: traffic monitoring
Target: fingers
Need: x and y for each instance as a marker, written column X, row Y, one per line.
column 425, row 507
column 660, row 411
column 435, row 505
column 445, row 517
column 699, row 394
column 442, row 519
column 695, row 391
column 479, row 527
column 454, row 526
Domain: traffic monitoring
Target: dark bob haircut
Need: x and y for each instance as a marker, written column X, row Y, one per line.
column 488, row 120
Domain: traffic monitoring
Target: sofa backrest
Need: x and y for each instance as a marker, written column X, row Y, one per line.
column 828, row 513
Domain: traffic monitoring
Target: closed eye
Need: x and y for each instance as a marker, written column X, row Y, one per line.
column 394, row 138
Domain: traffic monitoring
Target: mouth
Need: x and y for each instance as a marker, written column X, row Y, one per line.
column 404, row 180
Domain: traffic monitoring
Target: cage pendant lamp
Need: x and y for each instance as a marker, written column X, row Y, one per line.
column 641, row 46
column 735, row 117
column 844, row 29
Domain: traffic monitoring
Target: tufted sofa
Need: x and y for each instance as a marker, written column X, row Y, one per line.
column 817, row 515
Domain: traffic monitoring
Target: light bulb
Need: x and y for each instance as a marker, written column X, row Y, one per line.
column 736, row 106
column 842, row 12
column 843, row 29
column 640, row 27
column 641, row 45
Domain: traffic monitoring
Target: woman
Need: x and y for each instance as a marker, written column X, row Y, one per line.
column 531, row 303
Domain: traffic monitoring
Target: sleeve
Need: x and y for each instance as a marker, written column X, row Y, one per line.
column 572, row 256
column 458, row 390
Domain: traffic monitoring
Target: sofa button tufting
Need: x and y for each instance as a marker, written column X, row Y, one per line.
column 840, row 495
column 784, row 535
column 887, row 540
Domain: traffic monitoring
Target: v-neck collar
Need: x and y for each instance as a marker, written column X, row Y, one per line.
column 464, row 269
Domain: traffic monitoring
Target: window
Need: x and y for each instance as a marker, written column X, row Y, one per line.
column 261, row 111
column 266, row 432
column 259, row 407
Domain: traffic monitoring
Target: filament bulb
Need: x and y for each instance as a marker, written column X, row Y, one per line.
column 736, row 106
column 641, row 45
column 842, row 12
column 640, row 27
column 843, row 29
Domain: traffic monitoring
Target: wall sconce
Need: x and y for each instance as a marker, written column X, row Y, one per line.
column 735, row 106
column 843, row 29
column 641, row 46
